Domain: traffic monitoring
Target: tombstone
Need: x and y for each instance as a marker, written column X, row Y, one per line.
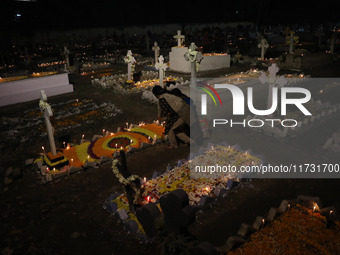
column 130, row 60
column 263, row 45
column 66, row 54
column 174, row 201
column 147, row 215
column 195, row 57
column 180, row 38
column 156, row 49
column 47, row 111
column 161, row 67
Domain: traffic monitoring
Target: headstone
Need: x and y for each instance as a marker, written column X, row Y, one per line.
column 147, row 215
column 195, row 57
column 180, row 38
column 161, row 67
column 47, row 111
column 186, row 216
column 174, row 201
column 263, row 45
column 156, row 49
column 130, row 61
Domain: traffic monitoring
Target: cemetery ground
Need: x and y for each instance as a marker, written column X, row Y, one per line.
column 66, row 216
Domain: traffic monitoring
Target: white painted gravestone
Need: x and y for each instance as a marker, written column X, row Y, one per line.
column 46, row 109
column 155, row 48
column 263, row 45
column 195, row 57
column 161, row 67
column 180, row 38
column 130, row 60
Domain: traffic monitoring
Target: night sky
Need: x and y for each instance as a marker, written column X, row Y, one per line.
column 42, row 14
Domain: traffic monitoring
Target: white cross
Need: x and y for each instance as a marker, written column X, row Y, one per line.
column 46, row 109
column 155, row 48
column 130, row 60
column 273, row 81
column 195, row 57
column 180, row 38
column 263, row 45
column 161, row 67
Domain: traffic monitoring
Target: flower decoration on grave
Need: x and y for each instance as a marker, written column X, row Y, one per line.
column 120, row 177
column 43, row 105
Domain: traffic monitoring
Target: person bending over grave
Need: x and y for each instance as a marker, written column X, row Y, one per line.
column 195, row 128
column 176, row 114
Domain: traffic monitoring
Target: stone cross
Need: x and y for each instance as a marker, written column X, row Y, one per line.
column 130, row 60
column 263, row 45
column 195, row 57
column 273, row 81
column 155, row 48
column 160, row 66
column 180, row 38
column 66, row 54
column 46, row 109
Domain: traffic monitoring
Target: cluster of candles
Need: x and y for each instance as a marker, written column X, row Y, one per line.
column 52, row 63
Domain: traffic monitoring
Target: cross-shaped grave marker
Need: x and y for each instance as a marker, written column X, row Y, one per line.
column 180, row 38
column 263, row 45
column 195, row 57
column 161, row 67
column 155, row 48
column 46, row 109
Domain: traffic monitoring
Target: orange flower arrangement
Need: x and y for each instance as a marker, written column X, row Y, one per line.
column 299, row 230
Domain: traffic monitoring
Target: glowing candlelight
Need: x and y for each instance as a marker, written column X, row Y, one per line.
column 64, row 145
column 103, row 132
column 68, row 146
column 314, row 207
column 116, row 145
column 43, row 148
column 82, row 137
column 127, row 125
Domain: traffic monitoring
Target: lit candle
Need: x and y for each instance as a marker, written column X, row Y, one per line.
column 54, row 170
column 43, row 148
column 116, row 145
column 64, row 145
column 127, row 125
column 82, row 137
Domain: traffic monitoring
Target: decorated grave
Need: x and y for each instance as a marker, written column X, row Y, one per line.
column 66, row 115
column 148, row 80
column 296, row 227
column 210, row 61
column 100, row 149
column 176, row 195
